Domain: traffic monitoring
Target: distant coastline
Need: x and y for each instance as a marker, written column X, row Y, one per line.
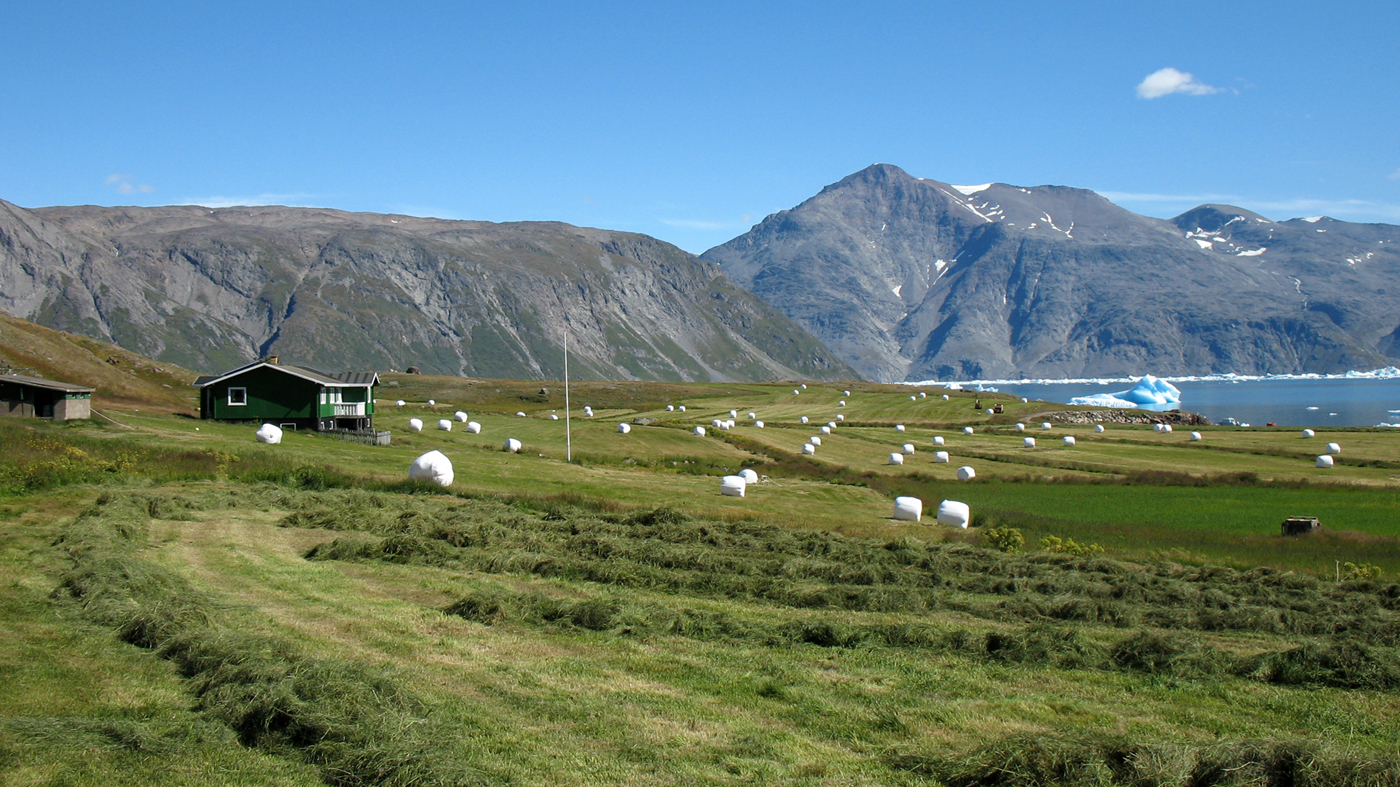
column 1386, row 373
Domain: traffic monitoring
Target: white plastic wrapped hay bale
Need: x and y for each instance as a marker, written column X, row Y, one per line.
column 908, row 449
column 753, row 416
column 831, row 424
column 940, row 457
column 1020, row 427
column 841, row 403
column 519, row 414
column 814, row 440
column 899, row 427
column 1195, row 437
column 415, row 425
column 432, row 402
column 1024, row 400
column 845, row 393
column 1098, row 428
column 445, row 425
column 1069, row 441
column 938, row 440
column 758, row 424
column 954, row 514
column 670, row 408
column 826, row 430
column 1323, row 461
column 624, row 428
column 1028, row 442
column 1309, row 433
column 269, row 433
column 460, row 416
column 1156, row 427
column 804, row 419
column 400, row 403
column 1046, row 426
column 923, row 395
column 700, row 431
column 945, row 397
column 908, row 509
column 913, row 398
column 809, row 449
column 1166, row 428
column 733, row 413
column 967, row 430
column 512, row 445
column 966, row 473
column 733, row 485
column 553, row 417
column 432, row 466
column 749, row 475
column 473, row 427
column 840, row 417
column 804, row 386
column 715, row 422
column 1333, row 448
column 896, row 458
column 795, row 392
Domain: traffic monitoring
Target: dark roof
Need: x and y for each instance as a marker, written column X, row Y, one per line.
column 335, row 380
column 52, row 385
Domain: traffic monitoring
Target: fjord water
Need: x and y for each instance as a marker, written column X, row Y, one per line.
column 1287, row 402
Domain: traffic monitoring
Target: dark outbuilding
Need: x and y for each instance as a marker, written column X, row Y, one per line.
column 35, row 397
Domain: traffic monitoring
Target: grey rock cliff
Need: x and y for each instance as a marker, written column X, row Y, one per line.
column 910, row 279
column 211, row 289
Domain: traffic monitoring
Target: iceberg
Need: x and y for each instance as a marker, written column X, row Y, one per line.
column 1148, row 391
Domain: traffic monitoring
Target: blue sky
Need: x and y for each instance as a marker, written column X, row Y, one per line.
column 691, row 124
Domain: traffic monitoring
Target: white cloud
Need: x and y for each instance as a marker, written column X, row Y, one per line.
column 125, row 184
column 1168, row 81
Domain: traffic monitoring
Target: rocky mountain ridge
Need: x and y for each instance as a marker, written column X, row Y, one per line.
column 911, row 279
column 213, row 289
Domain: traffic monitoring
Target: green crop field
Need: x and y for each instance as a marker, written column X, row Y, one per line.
column 184, row 605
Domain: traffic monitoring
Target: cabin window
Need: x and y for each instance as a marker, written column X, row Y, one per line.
column 237, row 396
column 325, row 397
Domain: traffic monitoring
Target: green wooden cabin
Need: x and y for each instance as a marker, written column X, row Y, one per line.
column 290, row 397
column 35, row 397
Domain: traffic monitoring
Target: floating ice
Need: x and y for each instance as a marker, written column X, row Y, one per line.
column 432, row 466
column 269, row 433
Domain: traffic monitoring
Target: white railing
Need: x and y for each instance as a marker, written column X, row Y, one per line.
column 350, row 409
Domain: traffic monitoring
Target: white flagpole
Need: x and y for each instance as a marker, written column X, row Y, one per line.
column 568, row 430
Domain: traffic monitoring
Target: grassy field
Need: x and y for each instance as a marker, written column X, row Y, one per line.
column 185, row 605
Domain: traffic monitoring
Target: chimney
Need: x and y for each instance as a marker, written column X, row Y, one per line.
column 272, row 359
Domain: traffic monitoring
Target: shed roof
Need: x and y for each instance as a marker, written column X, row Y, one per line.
column 333, row 380
column 52, row 385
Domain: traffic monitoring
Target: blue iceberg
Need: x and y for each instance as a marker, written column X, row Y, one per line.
column 1148, row 393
